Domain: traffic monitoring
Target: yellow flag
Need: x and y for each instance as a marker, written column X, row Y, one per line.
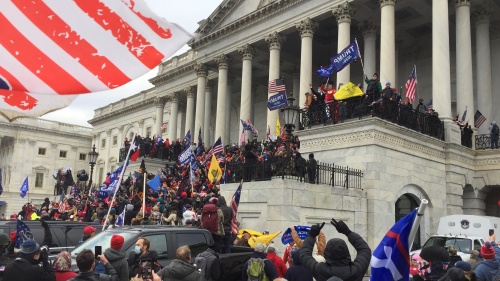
column 250, row 231
column 349, row 90
column 264, row 239
column 214, row 173
column 278, row 127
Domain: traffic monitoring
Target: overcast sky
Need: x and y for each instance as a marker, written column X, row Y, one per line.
column 186, row 13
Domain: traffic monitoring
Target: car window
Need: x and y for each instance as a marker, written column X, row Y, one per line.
column 102, row 239
column 196, row 241
column 157, row 242
column 477, row 245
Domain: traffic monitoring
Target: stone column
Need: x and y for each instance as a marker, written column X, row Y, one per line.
column 483, row 67
column 343, row 14
column 189, row 112
column 220, row 123
column 369, row 30
column 181, row 120
column 201, row 72
column 229, row 108
column 174, row 111
column 208, row 114
column 296, row 89
column 246, row 104
column 306, row 30
column 274, row 41
column 388, row 41
column 160, row 106
column 465, row 90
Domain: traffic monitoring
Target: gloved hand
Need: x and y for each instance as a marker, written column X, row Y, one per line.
column 44, row 254
column 341, row 227
column 315, row 229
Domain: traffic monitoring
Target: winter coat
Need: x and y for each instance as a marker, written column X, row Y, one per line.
column 490, row 269
column 134, row 259
column 92, row 276
column 269, row 268
column 297, row 271
column 179, row 270
column 227, row 212
column 119, row 263
column 338, row 260
column 278, row 264
column 26, row 269
column 64, row 275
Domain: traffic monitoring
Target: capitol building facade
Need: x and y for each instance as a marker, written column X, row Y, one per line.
column 244, row 44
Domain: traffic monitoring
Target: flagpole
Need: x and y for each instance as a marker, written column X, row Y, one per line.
column 416, row 222
column 144, row 195
column 359, row 54
column 125, row 165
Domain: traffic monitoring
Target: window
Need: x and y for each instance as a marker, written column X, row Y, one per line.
column 115, row 140
column 158, row 243
column 103, row 143
column 113, row 167
column 62, row 154
column 42, row 151
column 196, row 242
column 39, row 180
column 83, row 156
column 148, row 131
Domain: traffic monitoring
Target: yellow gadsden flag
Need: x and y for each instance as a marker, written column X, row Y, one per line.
column 264, row 239
column 214, row 173
column 349, row 90
column 278, row 127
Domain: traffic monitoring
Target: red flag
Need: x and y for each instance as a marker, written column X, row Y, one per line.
column 53, row 50
column 134, row 149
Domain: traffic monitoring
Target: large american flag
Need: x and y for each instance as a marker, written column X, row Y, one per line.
column 276, row 85
column 217, row 148
column 411, row 84
column 52, row 50
column 479, row 119
column 163, row 126
column 235, row 202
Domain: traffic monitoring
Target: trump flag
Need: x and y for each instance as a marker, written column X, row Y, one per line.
column 53, row 50
column 391, row 258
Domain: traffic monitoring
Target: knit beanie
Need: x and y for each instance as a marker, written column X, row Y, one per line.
column 13, row 236
column 487, row 251
column 117, row 242
column 29, row 247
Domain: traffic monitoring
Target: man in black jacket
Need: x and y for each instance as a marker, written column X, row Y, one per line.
column 26, row 267
column 228, row 216
column 86, row 263
column 338, row 260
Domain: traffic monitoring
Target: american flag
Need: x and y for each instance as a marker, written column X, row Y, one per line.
column 276, row 85
column 462, row 121
column 53, row 50
column 252, row 127
column 243, row 136
column 429, row 105
column 411, row 84
column 479, row 119
column 62, row 206
column 214, row 150
column 163, row 126
column 235, row 202
column 268, row 133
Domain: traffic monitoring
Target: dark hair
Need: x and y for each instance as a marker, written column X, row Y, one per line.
column 145, row 242
column 85, row 260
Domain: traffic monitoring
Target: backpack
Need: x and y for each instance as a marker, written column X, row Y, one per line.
column 209, row 218
column 495, row 130
column 203, row 261
column 255, row 270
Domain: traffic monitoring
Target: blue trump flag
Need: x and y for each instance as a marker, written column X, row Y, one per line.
column 188, row 139
column 345, row 57
column 23, row 233
column 24, row 188
column 325, row 72
column 391, row 258
column 302, row 231
column 112, row 182
column 154, row 183
column 121, row 219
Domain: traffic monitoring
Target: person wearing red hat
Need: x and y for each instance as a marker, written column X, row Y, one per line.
column 489, row 268
column 88, row 232
column 116, row 258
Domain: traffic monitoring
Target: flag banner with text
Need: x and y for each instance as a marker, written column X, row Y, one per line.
column 345, row 57
column 277, row 101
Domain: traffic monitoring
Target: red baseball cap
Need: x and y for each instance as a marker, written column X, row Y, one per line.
column 89, row 229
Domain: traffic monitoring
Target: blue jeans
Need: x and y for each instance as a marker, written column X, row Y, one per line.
column 226, row 242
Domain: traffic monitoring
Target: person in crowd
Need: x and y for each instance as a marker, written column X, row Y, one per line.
column 209, row 265
column 27, row 267
column 474, row 254
column 453, row 255
column 5, row 256
column 88, row 232
column 86, row 264
column 141, row 252
column 466, row 267
column 287, row 255
column 388, row 92
column 212, row 220
column 320, row 241
column 433, row 263
column 62, row 266
column 227, row 213
column 254, row 265
column 373, row 89
column 243, row 241
column 116, row 258
column 297, row 272
column 494, row 132
column 276, row 260
column 311, row 168
column 188, row 214
column 489, row 268
column 338, row 260
column 179, row 269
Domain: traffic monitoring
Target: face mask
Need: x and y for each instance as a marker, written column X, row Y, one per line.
column 137, row 249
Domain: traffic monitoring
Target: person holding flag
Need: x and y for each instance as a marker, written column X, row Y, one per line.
column 338, row 260
column 374, row 88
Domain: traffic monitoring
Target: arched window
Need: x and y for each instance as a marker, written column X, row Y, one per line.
column 405, row 204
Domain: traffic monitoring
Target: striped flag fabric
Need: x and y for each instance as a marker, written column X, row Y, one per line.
column 277, row 85
column 252, row 127
column 462, row 121
column 163, row 126
column 479, row 119
column 411, row 84
column 216, row 148
column 235, row 202
column 429, row 105
column 53, row 50
column 243, row 136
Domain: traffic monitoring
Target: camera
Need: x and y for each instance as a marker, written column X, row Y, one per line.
column 44, row 249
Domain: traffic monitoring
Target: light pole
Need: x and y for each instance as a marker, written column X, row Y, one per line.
column 92, row 160
column 289, row 115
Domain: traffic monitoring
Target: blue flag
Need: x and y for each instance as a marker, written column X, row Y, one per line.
column 391, row 258
column 302, row 231
column 24, row 188
column 112, row 182
column 186, row 156
column 200, row 144
column 345, row 57
column 154, row 183
column 188, row 139
column 325, row 72
column 1, row 188
column 121, row 219
column 23, row 233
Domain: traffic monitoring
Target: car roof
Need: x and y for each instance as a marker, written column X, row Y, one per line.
column 156, row 228
column 38, row 222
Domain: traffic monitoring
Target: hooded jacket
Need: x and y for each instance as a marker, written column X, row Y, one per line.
column 119, row 263
column 490, row 269
column 134, row 259
column 26, row 268
column 227, row 212
column 269, row 268
column 338, row 260
column 179, row 270
column 297, row 271
column 92, row 276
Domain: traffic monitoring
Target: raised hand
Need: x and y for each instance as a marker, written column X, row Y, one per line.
column 315, row 229
column 341, row 227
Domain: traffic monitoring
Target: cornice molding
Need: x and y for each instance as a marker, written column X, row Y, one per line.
column 165, row 77
column 34, row 129
column 122, row 111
